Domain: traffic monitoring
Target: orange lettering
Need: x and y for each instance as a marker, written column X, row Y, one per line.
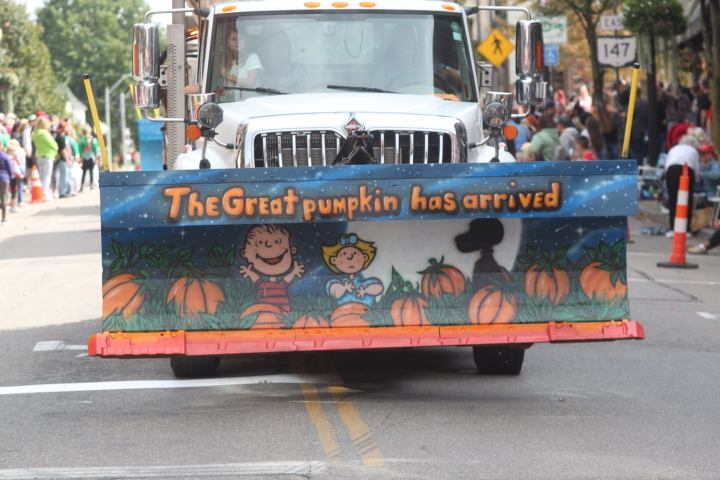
column 526, row 200
column 498, row 200
column 552, row 200
column 233, row 202
column 211, row 207
column 195, row 206
column 176, row 194
column 276, row 206
column 538, row 203
column 418, row 202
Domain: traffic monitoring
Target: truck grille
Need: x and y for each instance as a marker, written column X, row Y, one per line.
column 299, row 149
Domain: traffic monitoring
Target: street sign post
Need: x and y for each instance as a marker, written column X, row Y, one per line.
column 617, row 51
column 611, row 23
column 495, row 48
column 554, row 29
column 552, row 55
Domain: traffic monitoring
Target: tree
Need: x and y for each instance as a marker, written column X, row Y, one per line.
column 654, row 19
column 587, row 13
column 91, row 36
column 27, row 81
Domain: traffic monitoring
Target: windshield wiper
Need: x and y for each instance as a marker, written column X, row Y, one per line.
column 358, row 89
column 268, row 91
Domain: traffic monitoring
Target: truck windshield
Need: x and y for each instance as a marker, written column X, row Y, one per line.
column 410, row 53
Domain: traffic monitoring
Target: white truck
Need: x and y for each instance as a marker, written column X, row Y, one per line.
column 343, row 195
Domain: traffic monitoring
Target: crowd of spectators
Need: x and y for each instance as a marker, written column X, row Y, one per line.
column 50, row 144
column 576, row 128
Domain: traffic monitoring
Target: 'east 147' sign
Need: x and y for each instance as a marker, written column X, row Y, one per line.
column 617, row 51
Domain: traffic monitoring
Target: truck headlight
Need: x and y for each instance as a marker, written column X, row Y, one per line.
column 496, row 108
column 210, row 115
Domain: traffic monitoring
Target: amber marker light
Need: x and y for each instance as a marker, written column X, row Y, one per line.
column 229, row 8
column 193, row 132
column 312, row 4
column 367, row 4
column 510, row 132
column 448, row 7
column 340, row 4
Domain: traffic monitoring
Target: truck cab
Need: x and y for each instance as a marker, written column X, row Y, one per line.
column 294, row 80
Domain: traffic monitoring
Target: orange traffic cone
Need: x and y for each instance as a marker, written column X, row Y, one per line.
column 677, row 255
column 36, row 189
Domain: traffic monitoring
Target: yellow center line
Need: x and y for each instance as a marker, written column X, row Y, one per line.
column 359, row 431
column 323, row 427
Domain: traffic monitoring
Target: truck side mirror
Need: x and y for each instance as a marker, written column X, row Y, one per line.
column 146, row 66
column 530, row 87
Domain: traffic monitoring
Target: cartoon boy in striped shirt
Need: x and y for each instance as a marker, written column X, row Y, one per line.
column 271, row 267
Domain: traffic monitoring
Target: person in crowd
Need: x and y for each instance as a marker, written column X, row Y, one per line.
column 684, row 153
column 560, row 100
column 546, row 140
column 584, row 99
column 568, row 136
column 46, row 149
column 610, row 127
column 593, row 131
column 17, row 157
column 638, row 135
column 677, row 131
column 709, row 170
column 75, row 172
column 89, row 153
column 582, row 149
column 63, row 162
column 704, row 247
column 6, row 173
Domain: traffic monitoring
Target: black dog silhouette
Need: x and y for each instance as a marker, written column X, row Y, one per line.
column 483, row 235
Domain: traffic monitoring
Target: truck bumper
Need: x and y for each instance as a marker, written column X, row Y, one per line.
column 183, row 343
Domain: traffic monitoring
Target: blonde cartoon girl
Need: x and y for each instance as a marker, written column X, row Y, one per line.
column 348, row 257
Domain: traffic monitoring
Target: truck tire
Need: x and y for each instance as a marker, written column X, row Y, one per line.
column 194, row 367
column 498, row 360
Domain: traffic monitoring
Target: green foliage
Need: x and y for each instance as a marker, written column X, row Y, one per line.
column 95, row 37
column 25, row 70
column 661, row 17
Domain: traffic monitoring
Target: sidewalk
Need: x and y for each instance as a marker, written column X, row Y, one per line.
column 649, row 213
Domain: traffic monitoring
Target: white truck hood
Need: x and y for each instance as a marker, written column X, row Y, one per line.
column 345, row 102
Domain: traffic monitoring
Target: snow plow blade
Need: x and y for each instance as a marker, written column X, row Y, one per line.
column 216, row 262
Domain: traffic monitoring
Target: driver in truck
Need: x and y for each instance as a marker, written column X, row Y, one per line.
column 239, row 68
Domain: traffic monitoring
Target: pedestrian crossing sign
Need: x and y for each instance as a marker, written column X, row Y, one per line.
column 495, row 48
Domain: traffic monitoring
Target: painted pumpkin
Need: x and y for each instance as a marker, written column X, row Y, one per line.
column 409, row 311
column 269, row 316
column 600, row 279
column 552, row 283
column 491, row 305
column 309, row 320
column 440, row 279
column 193, row 296
column 122, row 293
column 350, row 314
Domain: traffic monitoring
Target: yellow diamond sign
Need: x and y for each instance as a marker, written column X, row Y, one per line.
column 495, row 48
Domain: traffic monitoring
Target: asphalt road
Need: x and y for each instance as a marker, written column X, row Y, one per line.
column 625, row 410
